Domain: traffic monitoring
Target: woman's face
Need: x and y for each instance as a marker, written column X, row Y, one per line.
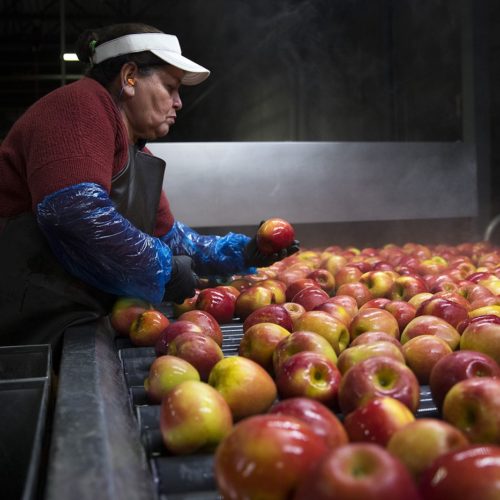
column 152, row 109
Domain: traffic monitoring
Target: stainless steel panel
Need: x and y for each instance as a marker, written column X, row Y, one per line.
column 239, row 183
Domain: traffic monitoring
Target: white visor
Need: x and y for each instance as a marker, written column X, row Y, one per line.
column 164, row 46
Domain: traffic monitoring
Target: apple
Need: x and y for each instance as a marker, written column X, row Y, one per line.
column 322, row 420
column 379, row 283
column 347, row 302
column 165, row 373
column 327, row 326
column 245, row 385
column 194, row 417
column 373, row 319
column 324, row 278
column 483, row 335
column 347, row 274
column 431, row 325
column 266, row 456
column 491, row 309
column 449, row 310
column 403, row 311
column 476, row 294
column 299, row 341
column 296, row 286
column 188, row 304
column 218, row 303
column 294, row 310
column 335, row 310
column 457, row 366
column 274, row 235
column 469, row 473
column 278, row 288
column 259, row 342
column 420, row 442
column 377, row 420
column 377, row 303
column 125, row 310
column 454, row 296
column 174, row 329
column 433, row 265
column 370, row 337
column 418, row 299
column 310, row 297
column 487, row 318
column 309, row 374
column 208, row 324
column 354, row 354
column 421, row 353
column 473, row 406
column 251, row 299
column 333, row 263
column 147, row 327
column 378, row 376
column 273, row 313
column 357, row 290
column 407, row 286
column 199, row 350
column 358, row 471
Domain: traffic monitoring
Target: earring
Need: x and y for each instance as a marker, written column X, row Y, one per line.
column 131, row 82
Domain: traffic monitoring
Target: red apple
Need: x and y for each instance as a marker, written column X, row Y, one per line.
column 327, row 326
column 278, row 289
column 483, row 336
column 294, row 310
column 125, row 310
column 347, row 274
column 174, row 329
column 469, row 473
column 372, row 319
column 309, row 374
column 147, row 327
column 310, row 297
column 418, row 299
column 358, row 471
column 403, row 311
column 251, row 299
column 406, row 286
column 370, row 337
column 322, row 420
column 335, row 310
column 245, row 385
column 420, row 442
column 266, row 456
column 473, row 406
column 357, row 290
column 206, row 322
column 296, row 286
column 300, row 341
column 449, row 310
column 274, row 235
column 199, row 350
column 421, row 353
column 377, row 420
column 194, row 417
column 431, row 325
column 273, row 313
column 218, row 303
column 378, row 376
column 354, row 354
column 324, row 279
column 347, row 302
column 457, row 366
column 259, row 342
column 333, row 263
column 165, row 373
column 377, row 303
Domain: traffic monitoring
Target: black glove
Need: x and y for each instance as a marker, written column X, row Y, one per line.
column 183, row 281
column 255, row 258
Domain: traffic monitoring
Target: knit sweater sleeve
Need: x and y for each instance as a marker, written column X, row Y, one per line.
column 74, row 136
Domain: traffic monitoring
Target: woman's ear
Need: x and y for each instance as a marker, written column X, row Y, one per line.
column 128, row 74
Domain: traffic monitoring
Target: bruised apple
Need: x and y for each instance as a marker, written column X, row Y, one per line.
column 146, row 328
column 125, row 310
column 274, row 235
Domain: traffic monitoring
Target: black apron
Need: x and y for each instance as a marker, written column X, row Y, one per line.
column 38, row 298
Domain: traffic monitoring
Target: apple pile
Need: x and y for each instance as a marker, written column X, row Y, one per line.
column 336, row 343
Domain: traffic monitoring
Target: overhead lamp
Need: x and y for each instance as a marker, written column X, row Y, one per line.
column 70, row 56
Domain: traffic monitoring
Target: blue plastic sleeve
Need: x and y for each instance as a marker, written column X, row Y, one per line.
column 212, row 255
column 95, row 243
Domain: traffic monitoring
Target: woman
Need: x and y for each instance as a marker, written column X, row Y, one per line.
column 83, row 218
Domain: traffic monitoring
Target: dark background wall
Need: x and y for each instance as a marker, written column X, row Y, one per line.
column 289, row 70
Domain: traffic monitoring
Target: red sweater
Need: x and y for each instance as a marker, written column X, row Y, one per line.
column 74, row 134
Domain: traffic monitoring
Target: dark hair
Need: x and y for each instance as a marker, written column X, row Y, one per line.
column 106, row 71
